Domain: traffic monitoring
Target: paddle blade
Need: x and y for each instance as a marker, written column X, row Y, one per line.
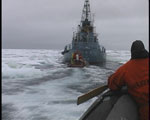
column 91, row 94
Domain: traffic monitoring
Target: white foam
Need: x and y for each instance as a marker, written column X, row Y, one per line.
column 54, row 99
column 120, row 56
column 51, row 100
column 21, row 63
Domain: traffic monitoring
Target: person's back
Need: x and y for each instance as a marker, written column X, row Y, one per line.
column 137, row 79
column 135, row 75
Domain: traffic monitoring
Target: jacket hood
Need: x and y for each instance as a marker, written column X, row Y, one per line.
column 138, row 50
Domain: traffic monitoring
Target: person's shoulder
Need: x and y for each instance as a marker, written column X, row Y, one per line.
column 128, row 63
column 125, row 65
column 147, row 59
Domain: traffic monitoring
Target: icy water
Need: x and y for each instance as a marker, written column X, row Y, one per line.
column 36, row 85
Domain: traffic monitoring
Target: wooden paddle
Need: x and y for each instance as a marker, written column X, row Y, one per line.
column 91, row 94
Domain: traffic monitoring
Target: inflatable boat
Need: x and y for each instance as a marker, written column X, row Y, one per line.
column 76, row 65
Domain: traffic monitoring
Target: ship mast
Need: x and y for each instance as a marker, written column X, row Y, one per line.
column 85, row 31
column 86, row 13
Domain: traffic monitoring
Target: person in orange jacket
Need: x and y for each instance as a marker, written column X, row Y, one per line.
column 77, row 57
column 135, row 75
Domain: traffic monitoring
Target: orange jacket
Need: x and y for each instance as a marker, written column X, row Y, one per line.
column 74, row 55
column 80, row 56
column 135, row 75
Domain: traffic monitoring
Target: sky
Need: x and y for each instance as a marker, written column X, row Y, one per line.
column 49, row 24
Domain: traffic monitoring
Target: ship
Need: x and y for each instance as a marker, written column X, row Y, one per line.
column 85, row 40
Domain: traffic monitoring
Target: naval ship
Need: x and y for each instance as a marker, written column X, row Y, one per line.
column 85, row 40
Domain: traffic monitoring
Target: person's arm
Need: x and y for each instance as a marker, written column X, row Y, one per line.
column 116, row 80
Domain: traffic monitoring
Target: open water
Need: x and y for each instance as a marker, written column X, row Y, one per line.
column 36, row 85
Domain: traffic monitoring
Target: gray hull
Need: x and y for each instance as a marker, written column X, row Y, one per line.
column 93, row 57
column 91, row 52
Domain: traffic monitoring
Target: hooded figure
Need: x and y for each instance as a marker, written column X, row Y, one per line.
column 138, row 50
column 135, row 75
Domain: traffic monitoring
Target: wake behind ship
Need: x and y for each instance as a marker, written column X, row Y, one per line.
column 85, row 40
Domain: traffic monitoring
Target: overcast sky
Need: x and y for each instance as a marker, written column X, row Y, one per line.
column 49, row 24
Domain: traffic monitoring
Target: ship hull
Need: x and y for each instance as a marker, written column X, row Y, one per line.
column 91, row 56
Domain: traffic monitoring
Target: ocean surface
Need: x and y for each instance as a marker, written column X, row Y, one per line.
column 36, row 85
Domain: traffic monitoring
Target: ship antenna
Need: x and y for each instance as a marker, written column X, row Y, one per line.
column 86, row 13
